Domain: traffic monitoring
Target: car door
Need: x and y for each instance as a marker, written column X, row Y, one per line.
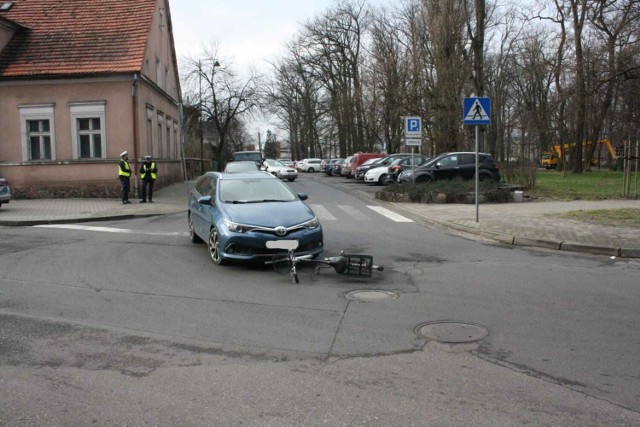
column 199, row 212
column 446, row 167
column 467, row 169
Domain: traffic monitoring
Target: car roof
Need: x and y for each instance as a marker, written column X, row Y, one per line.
column 241, row 176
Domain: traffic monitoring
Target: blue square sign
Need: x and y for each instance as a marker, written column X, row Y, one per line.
column 413, row 127
column 477, row 111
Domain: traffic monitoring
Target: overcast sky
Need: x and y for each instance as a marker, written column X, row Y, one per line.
column 247, row 31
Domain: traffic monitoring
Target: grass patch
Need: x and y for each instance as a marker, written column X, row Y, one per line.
column 600, row 185
column 627, row 217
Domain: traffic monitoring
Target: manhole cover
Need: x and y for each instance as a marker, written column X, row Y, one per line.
column 452, row 332
column 370, row 295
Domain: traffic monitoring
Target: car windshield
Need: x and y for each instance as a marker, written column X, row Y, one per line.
column 251, row 190
column 241, row 167
column 368, row 162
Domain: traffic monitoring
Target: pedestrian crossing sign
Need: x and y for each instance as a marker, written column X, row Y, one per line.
column 477, row 111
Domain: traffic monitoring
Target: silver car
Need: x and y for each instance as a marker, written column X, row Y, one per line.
column 279, row 169
column 5, row 191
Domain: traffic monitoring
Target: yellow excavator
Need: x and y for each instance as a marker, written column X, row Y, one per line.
column 604, row 154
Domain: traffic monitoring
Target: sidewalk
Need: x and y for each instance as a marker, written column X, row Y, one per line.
column 519, row 224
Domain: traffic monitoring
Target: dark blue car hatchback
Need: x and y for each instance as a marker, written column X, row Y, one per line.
column 236, row 214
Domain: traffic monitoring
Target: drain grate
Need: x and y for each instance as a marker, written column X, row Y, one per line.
column 371, row 295
column 452, row 332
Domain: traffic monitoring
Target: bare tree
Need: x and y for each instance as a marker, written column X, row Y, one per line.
column 223, row 97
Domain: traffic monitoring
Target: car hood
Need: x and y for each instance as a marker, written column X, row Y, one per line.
column 269, row 214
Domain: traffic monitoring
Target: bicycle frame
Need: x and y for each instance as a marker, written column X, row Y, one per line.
column 347, row 264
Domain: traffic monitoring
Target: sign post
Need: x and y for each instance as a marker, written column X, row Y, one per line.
column 477, row 111
column 413, row 138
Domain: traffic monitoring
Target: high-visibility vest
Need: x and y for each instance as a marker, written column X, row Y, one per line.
column 148, row 170
column 124, row 169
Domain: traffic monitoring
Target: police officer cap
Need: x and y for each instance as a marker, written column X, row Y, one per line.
column 124, row 153
column 147, row 157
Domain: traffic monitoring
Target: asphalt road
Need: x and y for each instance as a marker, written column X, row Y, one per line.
column 132, row 324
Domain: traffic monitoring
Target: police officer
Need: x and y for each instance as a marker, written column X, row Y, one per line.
column 124, row 174
column 148, row 174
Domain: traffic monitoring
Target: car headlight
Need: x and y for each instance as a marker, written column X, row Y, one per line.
column 235, row 227
column 312, row 224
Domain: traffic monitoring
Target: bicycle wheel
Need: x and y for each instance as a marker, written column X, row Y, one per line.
column 281, row 264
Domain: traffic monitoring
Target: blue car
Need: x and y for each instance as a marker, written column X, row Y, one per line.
column 236, row 214
column 5, row 191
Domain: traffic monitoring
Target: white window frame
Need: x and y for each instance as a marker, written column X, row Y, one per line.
column 160, row 135
column 88, row 110
column 168, row 121
column 37, row 112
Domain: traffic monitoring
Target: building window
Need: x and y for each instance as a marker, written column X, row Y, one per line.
column 160, row 133
column 175, row 140
column 169, row 152
column 166, row 79
column 38, row 132
column 150, row 131
column 159, row 72
column 88, row 130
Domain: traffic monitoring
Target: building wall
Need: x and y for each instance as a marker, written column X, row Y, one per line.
column 65, row 175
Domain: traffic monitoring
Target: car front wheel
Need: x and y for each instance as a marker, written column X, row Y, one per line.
column 311, row 170
column 214, row 248
column 422, row 179
column 382, row 180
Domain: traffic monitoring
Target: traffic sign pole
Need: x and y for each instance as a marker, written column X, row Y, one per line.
column 477, row 111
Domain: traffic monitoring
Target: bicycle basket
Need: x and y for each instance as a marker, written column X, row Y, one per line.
column 357, row 265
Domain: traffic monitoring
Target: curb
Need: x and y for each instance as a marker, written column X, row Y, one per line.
column 31, row 223
column 515, row 240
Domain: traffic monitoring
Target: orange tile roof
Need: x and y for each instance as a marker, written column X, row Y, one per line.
column 76, row 37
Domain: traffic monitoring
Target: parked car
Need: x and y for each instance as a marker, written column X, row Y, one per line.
column 255, row 156
column 236, row 214
column 359, row 158
column 246, row 166
column 310, row 165
column 361, row 170
column 383, row 175
column 280, row 170
column 330, row 167
column 454, row 165
column 385, row 161
column 5, row 191
column 287, row 162
column 400, row 165
column 345, row 168
column 337, row 167
column 323, row 164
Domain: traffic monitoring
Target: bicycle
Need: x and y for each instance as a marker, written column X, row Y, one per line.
column 347, row 264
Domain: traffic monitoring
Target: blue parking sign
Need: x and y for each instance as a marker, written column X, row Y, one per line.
column 413, row 127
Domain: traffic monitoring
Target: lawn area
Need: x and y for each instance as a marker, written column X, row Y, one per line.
column 552, row 185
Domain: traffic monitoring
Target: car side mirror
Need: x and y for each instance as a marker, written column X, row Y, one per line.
column 205, row 200
column 438, row 165
column 303, row 196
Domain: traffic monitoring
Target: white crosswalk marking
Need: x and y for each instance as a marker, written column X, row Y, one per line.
column 391, row 215
column 322, row 213
column 353, row 212
column 109, row 230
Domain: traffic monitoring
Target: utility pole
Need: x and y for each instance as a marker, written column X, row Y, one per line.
column 200, row 117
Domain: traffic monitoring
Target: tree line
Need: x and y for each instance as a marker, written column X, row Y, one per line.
column 557, row 72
